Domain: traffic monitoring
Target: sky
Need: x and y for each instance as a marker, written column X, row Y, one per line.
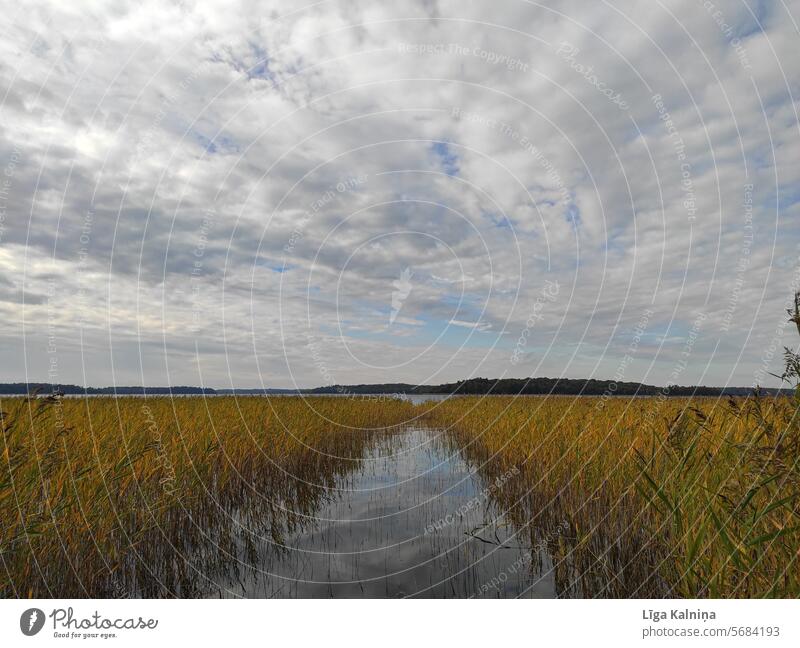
column 248, row 194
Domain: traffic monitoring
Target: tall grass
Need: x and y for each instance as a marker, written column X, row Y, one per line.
column 129, row 496
column 630, row 496
column 646, row 497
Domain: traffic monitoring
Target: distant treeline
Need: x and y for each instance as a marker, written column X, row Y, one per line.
column 47, row 388
column 508, row 386
column 572, row 386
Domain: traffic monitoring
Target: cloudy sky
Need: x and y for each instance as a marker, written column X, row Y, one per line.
column 257, row 193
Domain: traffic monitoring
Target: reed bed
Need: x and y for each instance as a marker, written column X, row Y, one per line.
column 108, row 497
column 645, row 497
column 628, row 497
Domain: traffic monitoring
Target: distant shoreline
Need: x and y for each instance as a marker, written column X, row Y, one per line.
column 474, row 386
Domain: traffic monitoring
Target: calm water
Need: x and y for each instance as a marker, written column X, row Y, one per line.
column 412, row 520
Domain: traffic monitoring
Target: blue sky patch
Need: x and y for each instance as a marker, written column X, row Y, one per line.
column 447, row 158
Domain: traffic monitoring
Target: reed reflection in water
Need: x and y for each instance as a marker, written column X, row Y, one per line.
column 412, row 521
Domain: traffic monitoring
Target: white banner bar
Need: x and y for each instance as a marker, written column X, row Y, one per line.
column 334, row 623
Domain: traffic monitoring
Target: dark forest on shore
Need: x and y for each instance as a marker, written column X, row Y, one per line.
column 473, row 386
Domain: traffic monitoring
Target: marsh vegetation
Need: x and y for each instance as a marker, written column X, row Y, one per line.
column 496, row 496
column 646, row 498
column 134, row 497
